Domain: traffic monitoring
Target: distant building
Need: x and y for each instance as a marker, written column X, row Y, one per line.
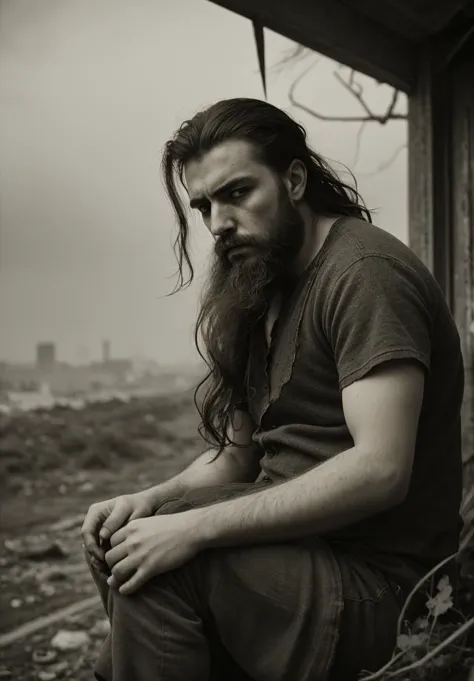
column 45, row 356
column 106, row 354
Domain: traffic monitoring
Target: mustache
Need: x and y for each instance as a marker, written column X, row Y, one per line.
column 223, row 246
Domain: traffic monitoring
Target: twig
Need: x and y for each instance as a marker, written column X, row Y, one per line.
column 360, row 132
column 316, row 114
column 417, row 586
column 429, row 656
column 356, row 90
column 46, row 621
column 292, row 58
column 386, row 164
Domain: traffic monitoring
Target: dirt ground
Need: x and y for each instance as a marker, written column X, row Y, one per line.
column 42, row 568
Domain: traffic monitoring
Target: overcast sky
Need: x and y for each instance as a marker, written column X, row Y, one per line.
column 90, row 90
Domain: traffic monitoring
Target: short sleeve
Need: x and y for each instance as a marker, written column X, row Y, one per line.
column 379, row 309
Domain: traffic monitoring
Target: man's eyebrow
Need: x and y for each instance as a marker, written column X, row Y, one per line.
column 197, row 200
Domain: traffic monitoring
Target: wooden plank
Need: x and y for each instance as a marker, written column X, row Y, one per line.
column 47, row 620
column 420, row 166
column 338, row 31
column 430, row 233
column 441, row 197
column 462, row 165
column 433, row 15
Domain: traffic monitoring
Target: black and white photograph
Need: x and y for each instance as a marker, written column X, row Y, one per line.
column 236, row 340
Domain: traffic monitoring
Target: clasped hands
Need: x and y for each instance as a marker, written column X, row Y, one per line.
column 147, row 547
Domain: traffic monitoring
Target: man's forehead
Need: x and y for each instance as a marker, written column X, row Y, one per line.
column 219, row 166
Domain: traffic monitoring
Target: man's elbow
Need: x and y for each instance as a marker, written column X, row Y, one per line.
column 393, row 486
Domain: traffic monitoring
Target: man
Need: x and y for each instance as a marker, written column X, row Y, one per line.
column 333, row 403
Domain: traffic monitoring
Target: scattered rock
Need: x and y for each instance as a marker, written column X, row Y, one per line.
column 70, row 640
column 5, row 674
column 46, row 676
column 52, row 573
column 101, row 628
column 47, row 589
column 36, row 548
column 30, row 599
column 68, row 523
column 59, row 667
column 60, row 573
column 44, row 656
column 16, row 602
column 86, row 487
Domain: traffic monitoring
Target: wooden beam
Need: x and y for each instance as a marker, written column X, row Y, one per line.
column 441, row 197
column 339, row 32
column 462, row 164
column 430, row 234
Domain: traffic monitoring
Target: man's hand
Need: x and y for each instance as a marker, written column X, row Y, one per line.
column 106, row 517
column 150, row 546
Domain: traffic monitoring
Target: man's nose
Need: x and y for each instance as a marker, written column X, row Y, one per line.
column 221, row 223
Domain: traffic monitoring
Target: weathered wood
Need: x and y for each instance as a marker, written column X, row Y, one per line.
column 441, row 182
column 47, row 620
column 430, row 233
column 339, row 32
column 433, row 15
column 462, row 165
column 413, row 19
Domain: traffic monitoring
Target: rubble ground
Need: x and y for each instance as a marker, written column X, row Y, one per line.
column 45, row 495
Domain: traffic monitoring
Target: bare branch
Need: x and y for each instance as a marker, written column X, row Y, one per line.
column 291, row 58
column 386, row 164
column 356, row 90
column 360, row 132
column 311, row 112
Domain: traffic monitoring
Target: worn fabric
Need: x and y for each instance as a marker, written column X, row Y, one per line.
column 261, row 613
column 365, row 299
column 280, row 612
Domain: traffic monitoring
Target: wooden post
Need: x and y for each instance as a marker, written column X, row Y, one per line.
column 441, row 181
column 462, row 173
column 430, row 233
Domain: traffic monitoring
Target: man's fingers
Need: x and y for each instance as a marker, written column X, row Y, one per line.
column 116, row 520
column 115, row 555
column 137, row 580
column 112, row 582
column 89, row 533
column 124, row 569
column 118, row 537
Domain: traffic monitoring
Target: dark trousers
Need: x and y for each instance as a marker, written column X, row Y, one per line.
column 247, row 614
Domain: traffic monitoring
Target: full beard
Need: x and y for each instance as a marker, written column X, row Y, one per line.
column 238, row 294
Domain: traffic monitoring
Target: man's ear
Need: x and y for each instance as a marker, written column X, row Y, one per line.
column 295, row 180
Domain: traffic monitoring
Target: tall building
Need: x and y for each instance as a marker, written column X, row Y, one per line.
column 106, row 354
column 45, row 355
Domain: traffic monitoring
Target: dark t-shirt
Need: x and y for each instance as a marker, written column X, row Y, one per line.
column 365, row 299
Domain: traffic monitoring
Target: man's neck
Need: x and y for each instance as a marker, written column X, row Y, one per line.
column 316, row 230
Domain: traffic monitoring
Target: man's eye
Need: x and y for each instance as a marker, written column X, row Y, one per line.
column 238, row 193
column 204, row 210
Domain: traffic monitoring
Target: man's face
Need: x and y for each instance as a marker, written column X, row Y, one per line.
column 246, row 207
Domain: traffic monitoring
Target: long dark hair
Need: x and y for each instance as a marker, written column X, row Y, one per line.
column 279, row 140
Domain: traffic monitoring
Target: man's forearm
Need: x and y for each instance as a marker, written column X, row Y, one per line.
column 339, row 492
column 202, row 472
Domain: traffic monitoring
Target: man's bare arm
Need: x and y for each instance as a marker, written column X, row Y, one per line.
column 382, row 412
column 235, row 464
